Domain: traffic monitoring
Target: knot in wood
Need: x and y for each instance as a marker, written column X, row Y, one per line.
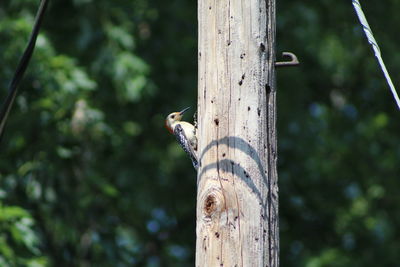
column 213, row 203
column 210, row 205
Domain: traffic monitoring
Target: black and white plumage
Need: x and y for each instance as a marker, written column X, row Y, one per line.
column 185, row 144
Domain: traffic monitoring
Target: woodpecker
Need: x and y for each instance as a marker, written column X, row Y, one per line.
column 185, row 134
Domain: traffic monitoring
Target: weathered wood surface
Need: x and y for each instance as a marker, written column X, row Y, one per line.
column 237, row 201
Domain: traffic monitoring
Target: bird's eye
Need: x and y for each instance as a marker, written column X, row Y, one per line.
column 173, row 116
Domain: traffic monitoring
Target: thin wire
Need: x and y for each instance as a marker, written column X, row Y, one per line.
column 374, row 44
column 22, row 65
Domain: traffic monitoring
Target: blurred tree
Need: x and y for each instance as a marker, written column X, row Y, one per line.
column 89, row 177
column 339, row 147
column 80, row 157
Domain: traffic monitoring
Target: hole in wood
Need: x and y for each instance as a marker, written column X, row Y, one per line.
column 205, row 243
column 267, row 88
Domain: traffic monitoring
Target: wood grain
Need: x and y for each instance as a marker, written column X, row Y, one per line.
column 237, row 201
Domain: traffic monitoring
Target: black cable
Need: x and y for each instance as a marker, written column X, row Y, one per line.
column 22, row 65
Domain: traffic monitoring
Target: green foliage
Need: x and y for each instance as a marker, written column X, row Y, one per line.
column 18, row 239
column 89, row 176
column 339, row 142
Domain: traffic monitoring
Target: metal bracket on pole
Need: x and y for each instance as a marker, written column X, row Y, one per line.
column 293, row 60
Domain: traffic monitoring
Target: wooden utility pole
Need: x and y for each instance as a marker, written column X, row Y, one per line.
column 237, row 200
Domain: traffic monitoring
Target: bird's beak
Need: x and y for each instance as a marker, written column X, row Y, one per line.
column 183, row 111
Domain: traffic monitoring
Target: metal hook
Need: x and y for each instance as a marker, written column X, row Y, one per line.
column 293, row 60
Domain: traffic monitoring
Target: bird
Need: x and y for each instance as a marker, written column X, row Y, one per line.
column 185, row 134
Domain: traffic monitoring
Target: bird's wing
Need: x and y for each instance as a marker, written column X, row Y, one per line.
column 185, row 144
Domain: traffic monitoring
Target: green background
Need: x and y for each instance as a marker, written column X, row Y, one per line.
column 89, row 176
